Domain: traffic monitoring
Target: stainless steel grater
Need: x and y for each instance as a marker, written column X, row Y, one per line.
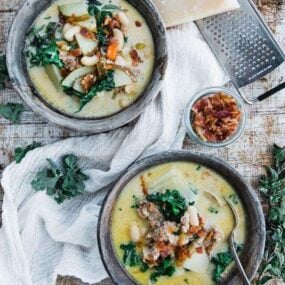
column 244, row 45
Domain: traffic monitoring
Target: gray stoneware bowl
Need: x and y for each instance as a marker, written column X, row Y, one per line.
column 19, row 77
column 253, row 249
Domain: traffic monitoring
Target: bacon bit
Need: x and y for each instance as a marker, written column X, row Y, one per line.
column 194, row 230
column 199, row 249
column 75, row 52
column 87, row 34
column 135, row 57
column 201, row 221
column 138, row 23
column 144, row 186
column 87, row 81
column 115, row 23
column 181, row 254
column 112, row 50
column 64, row 72
column 202, row 233
column 216, row 117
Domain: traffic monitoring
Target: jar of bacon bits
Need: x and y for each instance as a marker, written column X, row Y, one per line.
column 215, row 117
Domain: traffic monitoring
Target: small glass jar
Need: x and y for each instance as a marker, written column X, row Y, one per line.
column 187, row 117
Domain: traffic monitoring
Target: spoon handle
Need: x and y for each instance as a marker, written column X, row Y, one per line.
column 237, row 261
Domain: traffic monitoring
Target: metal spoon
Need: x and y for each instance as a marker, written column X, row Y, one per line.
column 232, row 243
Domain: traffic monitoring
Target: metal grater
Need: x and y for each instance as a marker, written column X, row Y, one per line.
column 244, row 45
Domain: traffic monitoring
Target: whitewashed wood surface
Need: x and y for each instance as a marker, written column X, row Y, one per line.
column 266, row 120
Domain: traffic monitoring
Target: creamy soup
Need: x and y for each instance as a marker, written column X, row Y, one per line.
column 171, row 223
column 90, row 59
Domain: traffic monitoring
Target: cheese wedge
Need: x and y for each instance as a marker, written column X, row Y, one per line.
column 179, row 12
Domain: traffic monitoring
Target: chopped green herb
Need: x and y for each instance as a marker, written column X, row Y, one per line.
column 120, row 209
column 11, row 111
column 42, row 49
column 165, row 268
column 126, row 39
column 186, row 281
column 234, row 198
column 213, row 210
column 71, row 92
column 20, row 153
column 105, row 84
column 191, row 203
column 171, row 204
column 63, row 182
column 130, row 256
column 272, row 186
column 47, row 18
column 4, row 77
column 221, row 262
column 198, row 167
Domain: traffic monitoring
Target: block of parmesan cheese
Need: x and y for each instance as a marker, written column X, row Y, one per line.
column 176, row 12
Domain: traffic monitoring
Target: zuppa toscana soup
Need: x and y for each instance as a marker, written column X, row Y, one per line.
column 171, row 224
column 90, row 59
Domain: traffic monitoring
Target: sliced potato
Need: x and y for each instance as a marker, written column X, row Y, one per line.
column 89, row 24
column 77, row 85
column 198, row 262
column 70, row 78
column 74, row 9
column 87, row 46
column 54, row 74
column 121, row 78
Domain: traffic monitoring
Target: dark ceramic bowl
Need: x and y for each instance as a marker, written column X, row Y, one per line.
column 252, row 253
column 16, row 64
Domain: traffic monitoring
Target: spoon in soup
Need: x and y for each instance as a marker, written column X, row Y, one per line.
column 232, row 242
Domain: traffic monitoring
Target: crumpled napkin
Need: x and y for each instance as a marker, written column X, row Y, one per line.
column 39, row 238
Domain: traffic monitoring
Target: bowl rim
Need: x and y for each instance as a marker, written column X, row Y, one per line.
column 208, row 92
column 252, row 252
column 28, row 93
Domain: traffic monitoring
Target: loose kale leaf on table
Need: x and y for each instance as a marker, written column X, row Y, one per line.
column 272, row 186
column 20, row 152
column 61, row 182
column 11, row 111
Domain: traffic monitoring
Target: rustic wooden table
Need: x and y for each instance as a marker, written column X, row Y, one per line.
column 266, row 120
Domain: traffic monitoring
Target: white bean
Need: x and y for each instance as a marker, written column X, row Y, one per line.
column 66, row 27
column 125, row 21
column 135, row 233
column 71, row 32
column 193, row 216
column 89, row 60
column 119, row 37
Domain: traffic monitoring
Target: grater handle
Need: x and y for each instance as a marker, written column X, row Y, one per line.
column 271, row 92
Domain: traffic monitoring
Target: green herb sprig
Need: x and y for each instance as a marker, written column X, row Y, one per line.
column 12, row 111
column 61, row 182
column 20, row 152
column 272, row 186
column 171, row 204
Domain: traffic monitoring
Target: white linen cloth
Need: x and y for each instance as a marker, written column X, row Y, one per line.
column 39, row 238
